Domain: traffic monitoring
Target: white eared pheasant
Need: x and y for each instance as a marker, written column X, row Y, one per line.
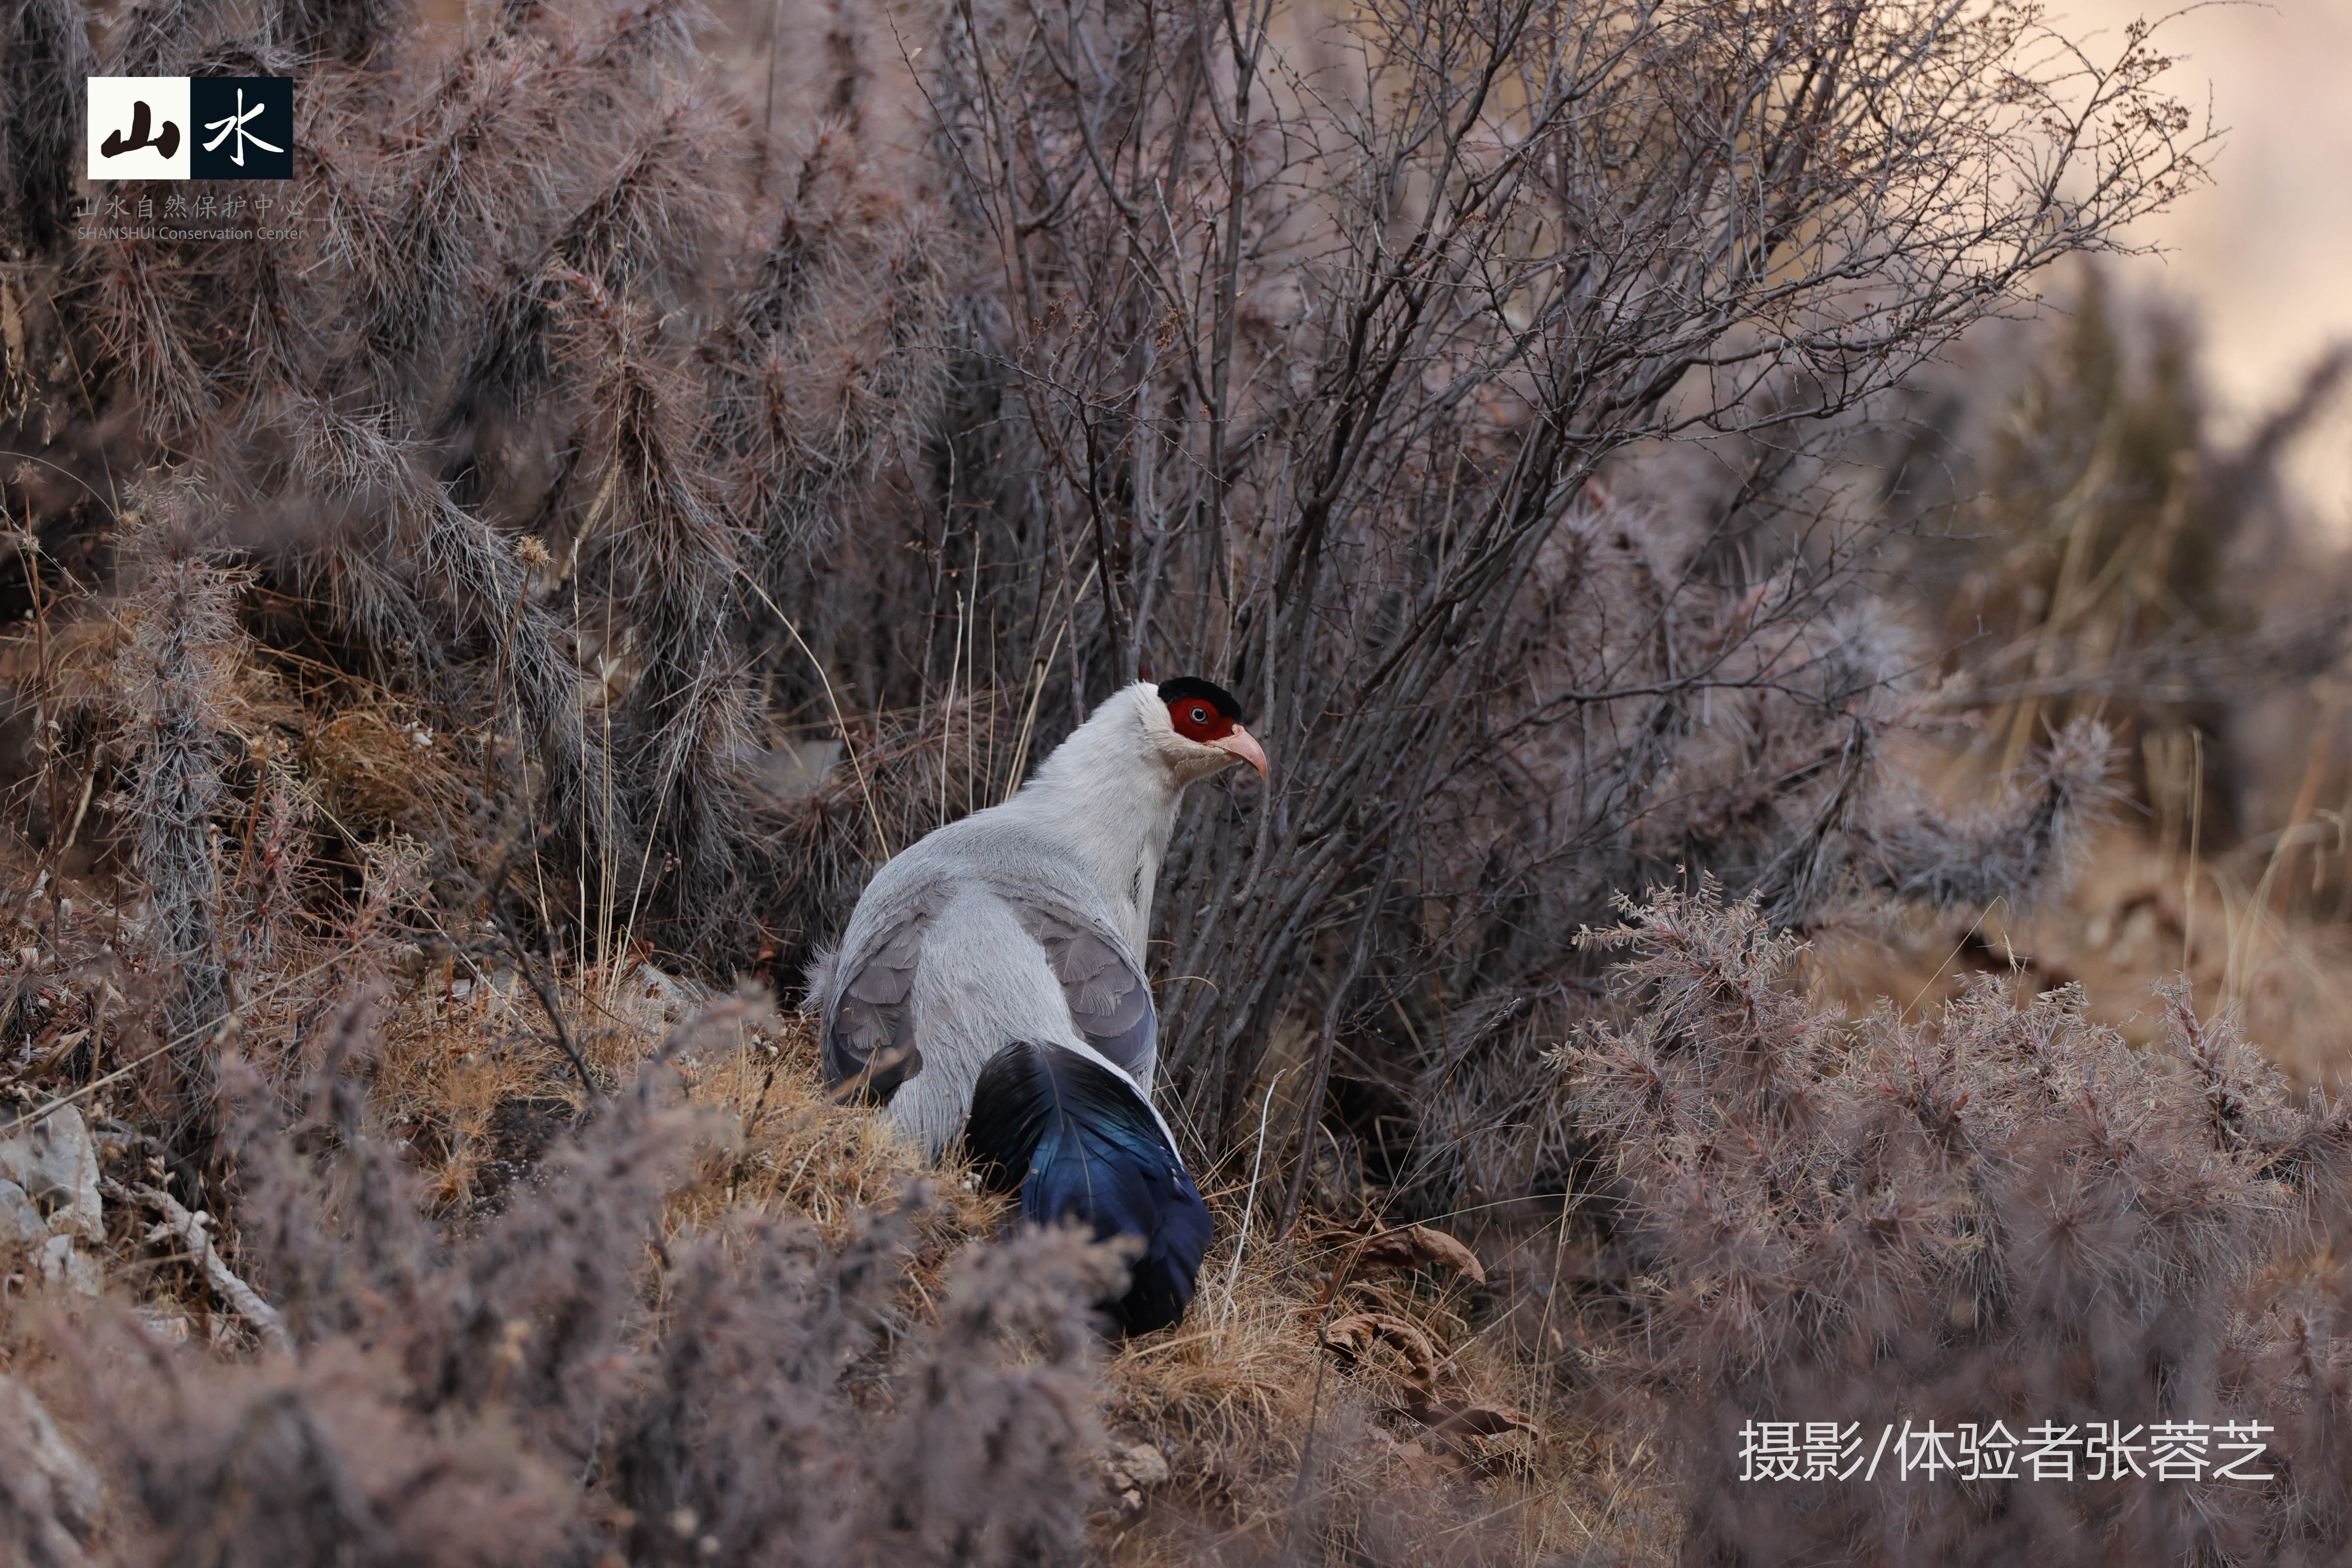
column 991, row 984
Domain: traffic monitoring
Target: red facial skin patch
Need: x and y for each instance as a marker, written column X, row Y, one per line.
column 1197, row 719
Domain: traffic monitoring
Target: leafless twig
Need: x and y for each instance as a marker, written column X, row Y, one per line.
column 189, row 1230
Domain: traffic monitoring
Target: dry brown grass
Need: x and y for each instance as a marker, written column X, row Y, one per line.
column 1275, row 1441
column 354, row 806
column 1270, row 1441
column 2136, row 915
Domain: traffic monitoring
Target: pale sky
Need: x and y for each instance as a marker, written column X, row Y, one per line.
column 2263, row 254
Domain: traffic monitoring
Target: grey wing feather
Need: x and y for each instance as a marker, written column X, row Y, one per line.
column 872, row 1031
column 1109, row 1000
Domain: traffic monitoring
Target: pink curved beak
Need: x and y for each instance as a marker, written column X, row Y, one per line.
column 1243, row 744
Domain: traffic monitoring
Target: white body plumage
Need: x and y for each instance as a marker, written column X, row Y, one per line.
column 1024, row 921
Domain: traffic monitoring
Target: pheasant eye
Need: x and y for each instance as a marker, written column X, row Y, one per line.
column 1198, row 721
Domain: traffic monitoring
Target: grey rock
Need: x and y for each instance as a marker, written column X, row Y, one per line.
column 21, row 1224
column 793, row 771
column 1145, row 1462
column 68, row 1268
column 55, row 1163
column 48, row 1493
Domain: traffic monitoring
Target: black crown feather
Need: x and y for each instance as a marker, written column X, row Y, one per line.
column 1185, row 685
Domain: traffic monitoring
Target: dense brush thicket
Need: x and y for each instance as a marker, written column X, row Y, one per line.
column 2006, row 1214
column 528, row 1394
column 628, row 501
column 621, row 430
column 2109, row 553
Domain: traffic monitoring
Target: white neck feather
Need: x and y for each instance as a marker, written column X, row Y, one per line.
column 1109, row 789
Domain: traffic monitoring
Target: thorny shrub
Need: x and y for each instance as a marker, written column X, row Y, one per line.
column 1326, row 358
column 633, row 438
column 2005, row 1214
column 616, row 516
column 2107, row 550
column 561, row 1384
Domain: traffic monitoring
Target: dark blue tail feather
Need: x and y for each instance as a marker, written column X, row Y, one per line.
column 1076, row 1139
